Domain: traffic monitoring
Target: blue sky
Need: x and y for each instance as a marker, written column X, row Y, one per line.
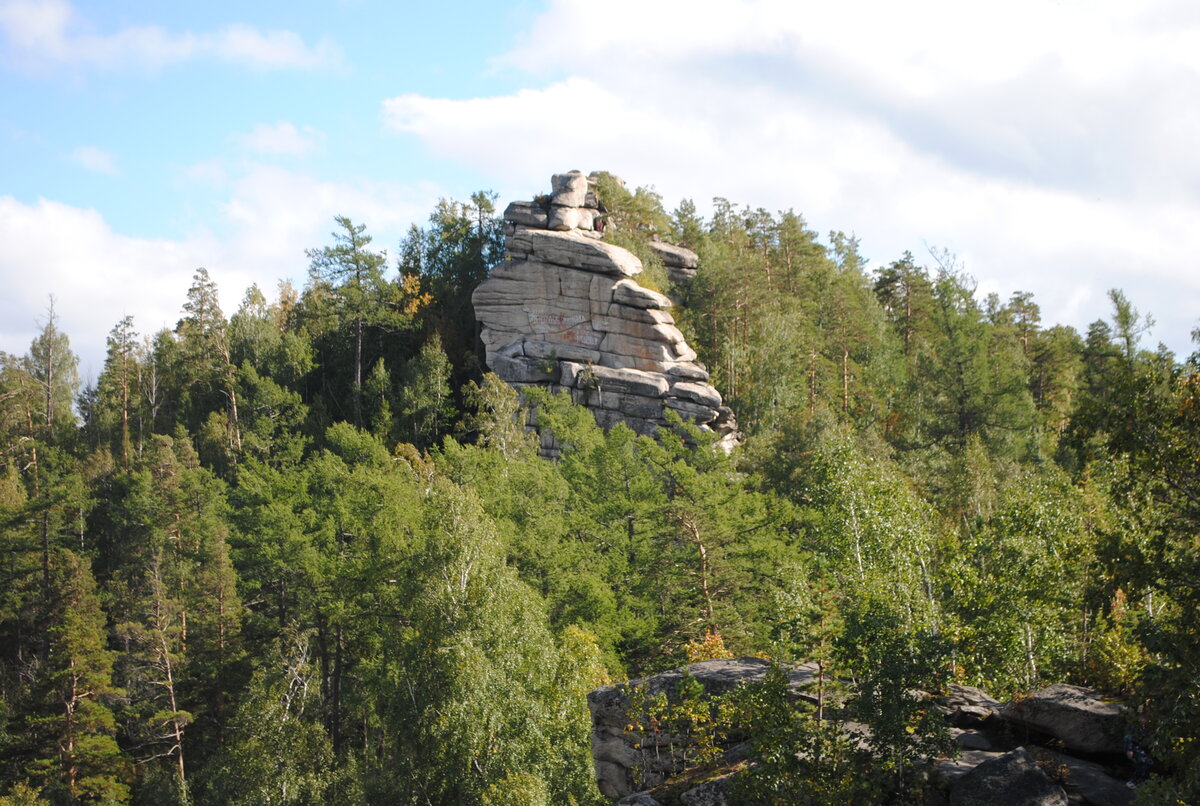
column 135, row 135
column 1049, row 144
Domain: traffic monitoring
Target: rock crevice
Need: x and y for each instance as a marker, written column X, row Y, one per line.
column 563, row 312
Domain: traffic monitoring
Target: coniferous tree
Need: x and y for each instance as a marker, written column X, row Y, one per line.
column 426, row 405
column 113, row 414
column 1055, row 377
column 353, row 274
column 72, row 730
column 348, row 298
column 204, row 372
column 54, row 371
column 449, row 258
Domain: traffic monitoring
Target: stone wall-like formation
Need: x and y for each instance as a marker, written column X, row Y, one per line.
column 563, row 312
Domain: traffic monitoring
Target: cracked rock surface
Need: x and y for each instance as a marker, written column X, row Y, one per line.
column 564, row 312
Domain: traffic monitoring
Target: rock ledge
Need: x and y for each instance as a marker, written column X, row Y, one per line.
column 562, row 312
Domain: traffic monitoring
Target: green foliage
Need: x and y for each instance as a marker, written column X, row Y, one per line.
column 278, row 754
column 72, row 728
column 448, row 259
column 426, row 406
column 272, row 425
column 113, row 414
column 1021, row 583
column 637, row 211
column 266, row 560
column 1116, row 659
column 797, row 758
column 352, row 316
column 495, row 419
column 53, row 373
column 200, row 366
column 893, row 662
column 485, row 698
column 22, row 794
column 518, row 789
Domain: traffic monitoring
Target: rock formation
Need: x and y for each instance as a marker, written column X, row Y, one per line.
column 562, row 312
column 1011, row 779
column 625, row 760
column 1076, row 716
column 1004, row 748
column 681, row 263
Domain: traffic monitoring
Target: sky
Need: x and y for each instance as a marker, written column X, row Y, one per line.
column 1049, row 145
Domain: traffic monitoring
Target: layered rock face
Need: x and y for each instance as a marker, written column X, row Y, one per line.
column 563, row 312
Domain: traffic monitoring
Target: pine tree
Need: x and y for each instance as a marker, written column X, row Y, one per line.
column 352, row 275
column 206, row 376
column 54, row 371
column 74, row 729
column 117, row 396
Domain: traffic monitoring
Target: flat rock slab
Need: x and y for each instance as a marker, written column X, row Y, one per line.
column 694, row 411
column 574, row 251
column 627, row 292
column 1073, row 714
column 1011, row 779
column 1091, row 782
column 700, row 393
column 968, row 696
column 638, row 799
column 526, row 213
column 628, row 381
column 709, row 793
column 951, row 769
column 675, row 257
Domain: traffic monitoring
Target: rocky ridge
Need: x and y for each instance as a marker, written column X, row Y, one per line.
column 1004, row 748
column 563, row 312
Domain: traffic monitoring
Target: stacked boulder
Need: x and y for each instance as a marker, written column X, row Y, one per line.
column 563, row 312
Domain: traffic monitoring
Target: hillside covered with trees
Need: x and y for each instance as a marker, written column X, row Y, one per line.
column 306, row 553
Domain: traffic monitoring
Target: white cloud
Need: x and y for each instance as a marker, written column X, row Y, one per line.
column 98, row 275
column 242, row 44
column 95, row 159
column 270, row 230
column 211, row 173
column 282, row 139
column 95, row 274
column 45, row 33
column 1050, row 144
column 570, row 122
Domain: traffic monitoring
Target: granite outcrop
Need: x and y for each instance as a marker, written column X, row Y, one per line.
column 564, row 312
column 1053, row 747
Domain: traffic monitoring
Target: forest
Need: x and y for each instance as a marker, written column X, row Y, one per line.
column 307, row 553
